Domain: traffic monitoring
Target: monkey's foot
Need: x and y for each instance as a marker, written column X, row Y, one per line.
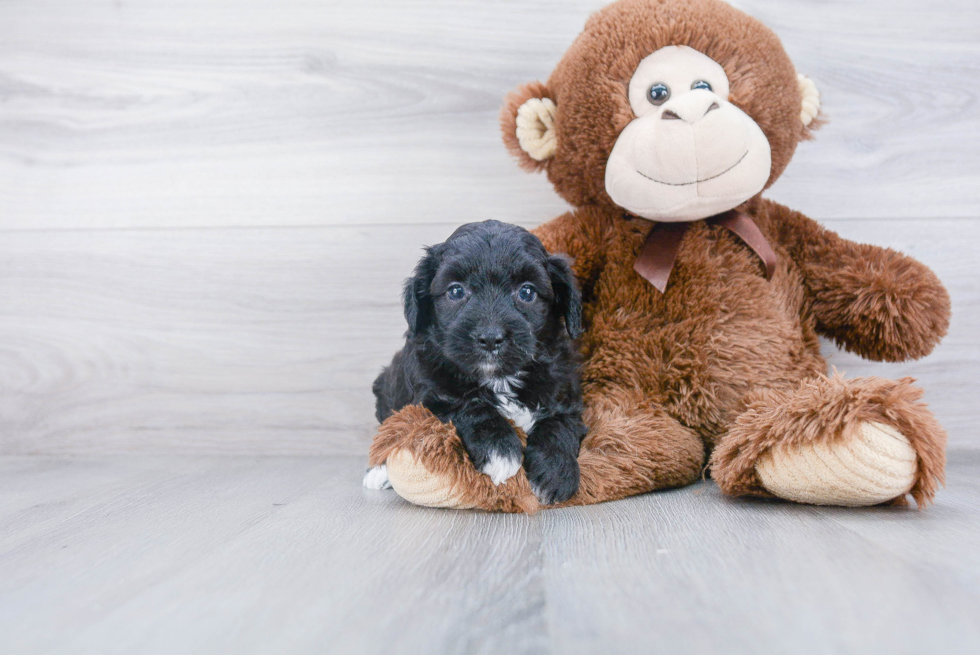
column 835, row 442
column 416, row 484
column 427, row 465
column 873, row 466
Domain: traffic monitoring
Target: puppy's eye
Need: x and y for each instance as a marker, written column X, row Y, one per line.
column 456, row 292
column 527, row 293
column 701, row 84
column 658, row 93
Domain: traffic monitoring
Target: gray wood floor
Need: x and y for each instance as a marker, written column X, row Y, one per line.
column 206, row 211
column 170, row 554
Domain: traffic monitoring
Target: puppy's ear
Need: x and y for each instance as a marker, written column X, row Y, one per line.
column 419, row 309
column 568, row 299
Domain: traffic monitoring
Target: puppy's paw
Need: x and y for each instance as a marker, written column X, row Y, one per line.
column 554, row 476
column 377, row 478
column 501, row 467
column 496, row 454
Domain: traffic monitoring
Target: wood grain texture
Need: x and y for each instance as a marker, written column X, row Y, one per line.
column 151, row 554
column 233, row 341
column 164, row 555
column 691, row 571
column 320, row 145
column 265, row 341
column 289, row 112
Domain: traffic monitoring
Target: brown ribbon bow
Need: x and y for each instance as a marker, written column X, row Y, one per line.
column 660, row 251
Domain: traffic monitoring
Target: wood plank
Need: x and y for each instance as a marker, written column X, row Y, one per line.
column 261, row 555
column 691, row 571
column 164, row 554
column 286, row 112
column 249, row 341
column 952, row 559
column 228, row 341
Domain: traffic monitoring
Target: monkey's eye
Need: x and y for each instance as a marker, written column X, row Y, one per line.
column 701, row 84
column 527, row 293
column 456, row 292
column 658, row 93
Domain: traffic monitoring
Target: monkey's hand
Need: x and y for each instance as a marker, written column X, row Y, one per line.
column 427, row 464
column 881, row 304
column 870, row 300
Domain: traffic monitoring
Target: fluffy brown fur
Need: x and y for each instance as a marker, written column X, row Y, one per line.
column 437, row 444
column 786, row 418
column 417, row 430
column 725, row 360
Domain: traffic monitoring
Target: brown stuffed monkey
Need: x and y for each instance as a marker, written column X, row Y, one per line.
column 662, row 125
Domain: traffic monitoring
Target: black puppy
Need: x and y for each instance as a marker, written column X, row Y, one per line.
column 491, row 318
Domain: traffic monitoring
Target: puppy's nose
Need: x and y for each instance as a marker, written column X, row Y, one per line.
column 491, row 338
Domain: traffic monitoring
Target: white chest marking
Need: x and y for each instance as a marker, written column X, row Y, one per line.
column 507, row 403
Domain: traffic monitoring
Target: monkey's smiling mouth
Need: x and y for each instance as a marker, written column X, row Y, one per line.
column 697, row 181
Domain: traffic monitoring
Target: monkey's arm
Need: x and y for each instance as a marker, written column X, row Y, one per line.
column 870, row 300
column 579, row 234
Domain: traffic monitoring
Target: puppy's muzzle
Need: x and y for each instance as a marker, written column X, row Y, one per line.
column 491, row 338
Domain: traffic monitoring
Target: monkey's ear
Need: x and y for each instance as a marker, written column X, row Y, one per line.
column 417, row 296
column 528, row 124
column 809, row 104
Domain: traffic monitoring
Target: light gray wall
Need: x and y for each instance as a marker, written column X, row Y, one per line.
column 206, row 208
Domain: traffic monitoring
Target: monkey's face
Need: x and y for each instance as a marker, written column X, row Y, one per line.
column 689, row 153
column 672, row 110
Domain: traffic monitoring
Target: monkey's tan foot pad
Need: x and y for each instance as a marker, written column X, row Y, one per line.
column 876, row 464
column 426, row 464
column 416, row 484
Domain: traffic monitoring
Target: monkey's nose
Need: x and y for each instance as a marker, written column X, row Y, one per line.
column 690, row 107
column 490, row 339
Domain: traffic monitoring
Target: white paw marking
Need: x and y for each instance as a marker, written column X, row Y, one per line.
column 377, row 478
column 501, row 469
column 507, row 404
column 517, row 412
